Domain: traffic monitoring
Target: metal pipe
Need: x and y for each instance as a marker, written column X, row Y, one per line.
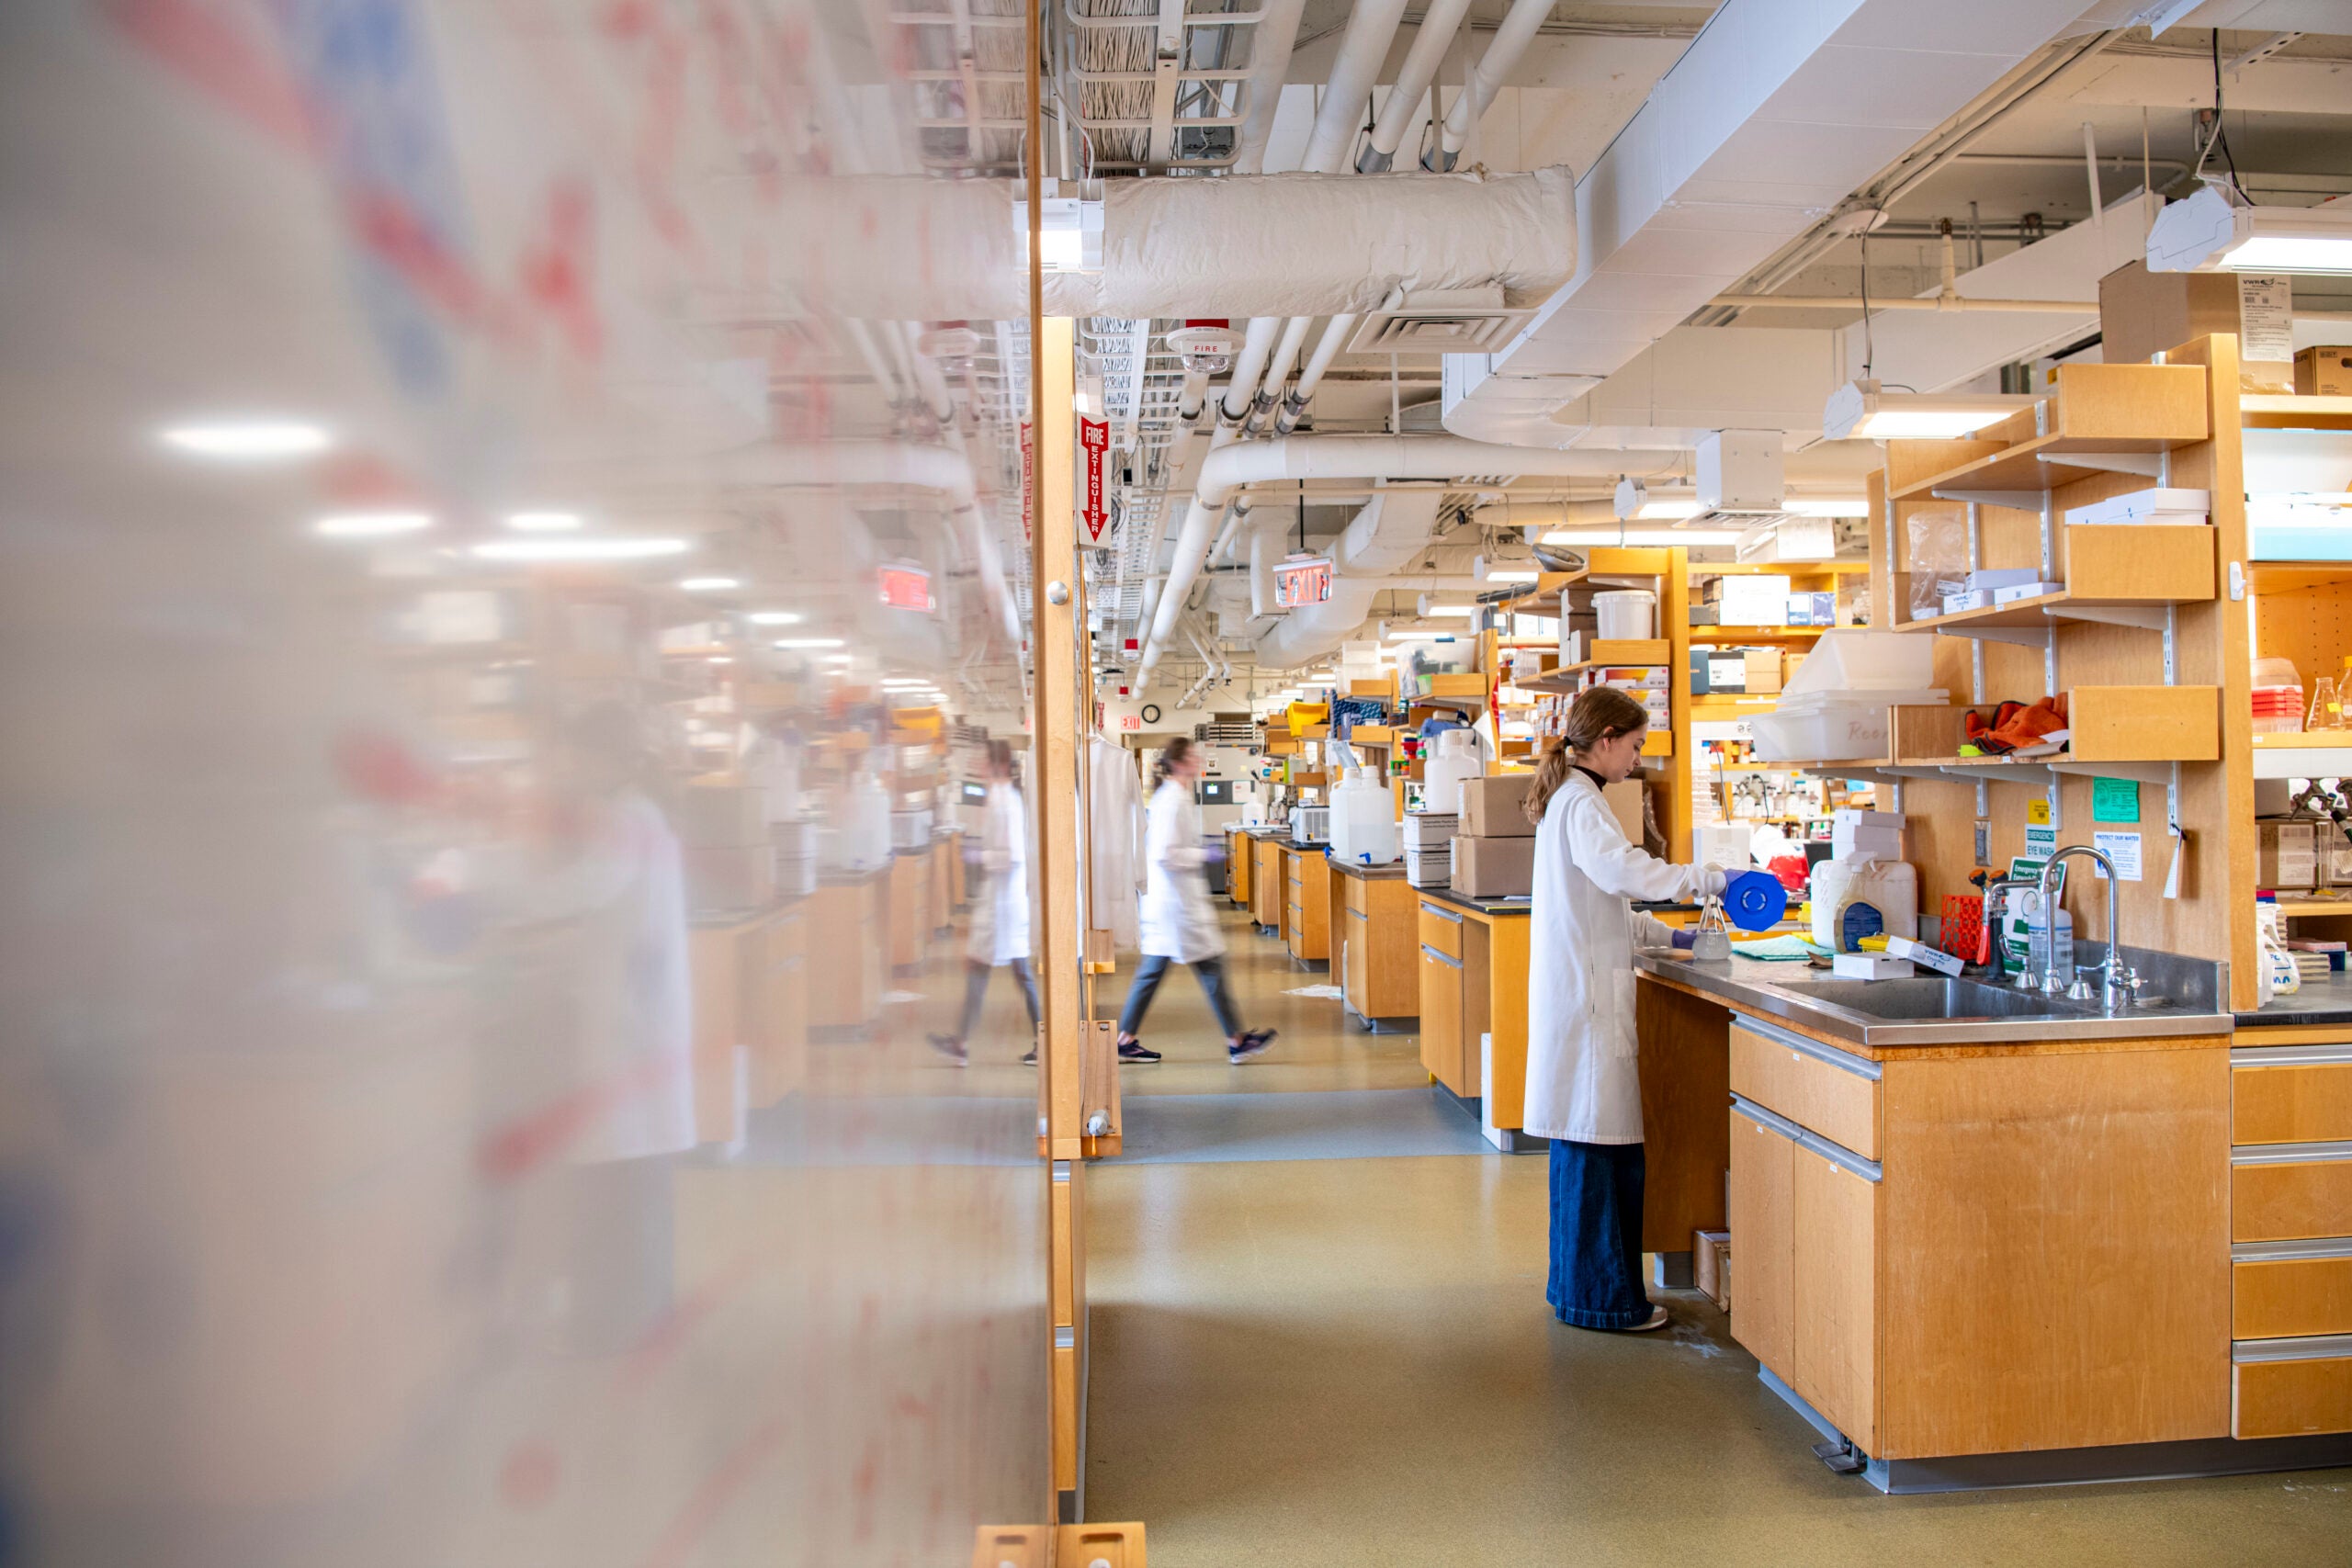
column 1335, row 336
column 1510, row 42
column 1933, row 302
column 1435, row 36
column 1372, row 26
column 1270, row 49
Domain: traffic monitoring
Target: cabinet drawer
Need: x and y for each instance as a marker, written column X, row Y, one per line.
column 1441, row 928
column 2287, row 1388
column 2290, row 1192
column 2283, row 1290
column 1358, row 894
column 1815, row 1087
column 2280, row 1094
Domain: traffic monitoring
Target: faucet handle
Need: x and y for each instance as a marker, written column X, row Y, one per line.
column 2123, row 987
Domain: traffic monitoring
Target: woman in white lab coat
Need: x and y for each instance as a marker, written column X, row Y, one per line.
column 1179, row 924
column 1583, row 1089
column 1000, row 933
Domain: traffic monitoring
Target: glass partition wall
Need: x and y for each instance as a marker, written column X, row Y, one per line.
column 513, row 723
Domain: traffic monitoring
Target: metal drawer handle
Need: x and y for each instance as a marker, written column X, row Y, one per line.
column 1359, row 914
column 1428, row 951
column 1799, row 1046
column 1450, row 915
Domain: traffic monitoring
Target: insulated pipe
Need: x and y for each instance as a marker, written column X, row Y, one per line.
column 885, row 376
column 1229, row 467
column 1510, row 42
column 1439, row 24
column 1372, row 27
column 1278, row 370
column 1270, row 48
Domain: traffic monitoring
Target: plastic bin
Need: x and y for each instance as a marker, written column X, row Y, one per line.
column 1627, row 613
column 1865, row 662
column 1827, row 734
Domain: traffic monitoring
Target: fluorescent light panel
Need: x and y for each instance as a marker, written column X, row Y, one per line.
column 249, row 440
column 708, row 585
column 371, row 524
column 582, row 549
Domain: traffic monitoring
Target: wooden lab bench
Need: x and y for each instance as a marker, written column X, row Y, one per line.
column 1375, row 941
column 1473, row 1007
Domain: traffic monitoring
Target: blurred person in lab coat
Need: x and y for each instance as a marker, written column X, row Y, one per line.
column 1584, row 1089
column 1179, row 925
column 1000, row 933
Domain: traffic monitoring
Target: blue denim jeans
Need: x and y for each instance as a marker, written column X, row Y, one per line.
column 1596, row 1279
column 1210, row 972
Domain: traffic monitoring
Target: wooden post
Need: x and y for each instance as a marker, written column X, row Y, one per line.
column 1674, row 607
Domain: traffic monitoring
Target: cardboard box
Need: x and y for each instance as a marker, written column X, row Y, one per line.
column 1727, row 672
column 1494, row 868
column 2141, row 314
column 1625, row 800
column 2286, row 853
column 1760, row 601
column 1492, row 806
column 2324, row 371
column 1763, row 670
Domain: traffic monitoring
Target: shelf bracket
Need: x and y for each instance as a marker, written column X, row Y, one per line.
column 2157, row 773
column 2148, row 463
column 2015, row 500
column 2012, row 773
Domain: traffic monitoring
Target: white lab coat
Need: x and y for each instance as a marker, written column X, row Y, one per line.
column 1583, row 1076
column 1178, row 922
column 999, row 930
column 1114, row 842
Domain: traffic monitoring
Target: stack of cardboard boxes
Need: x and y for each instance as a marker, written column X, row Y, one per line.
column 729, row 859
column 1429, row 847
column 1494, row 855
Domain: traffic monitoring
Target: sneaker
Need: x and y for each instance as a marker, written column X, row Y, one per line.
column 1029, row 1057
column 1253, row 1043
column 1657, row 1319
column 1136, row 1051
column 952, row 1048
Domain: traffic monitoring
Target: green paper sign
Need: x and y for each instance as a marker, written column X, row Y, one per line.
column 2115, row 800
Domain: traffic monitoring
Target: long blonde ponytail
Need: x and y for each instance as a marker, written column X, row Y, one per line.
column 1598, row 714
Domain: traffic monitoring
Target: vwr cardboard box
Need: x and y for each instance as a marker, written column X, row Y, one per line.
column 1492, row 808
column 1494, row 868
column 2142, row 312
column 2284, row 854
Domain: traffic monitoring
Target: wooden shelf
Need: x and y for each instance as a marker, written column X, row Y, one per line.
column 1605, row 564
column 2093, row 411
column 2311, row 753
column 2294, row 576
column 2303, row 740
column 2115, row 573
column 1650, row 653
column 1781, row 569
column 2293, row 908
column 2258, row 410
column 1704, row 636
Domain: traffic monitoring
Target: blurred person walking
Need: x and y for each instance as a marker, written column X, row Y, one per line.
column 1000, row 933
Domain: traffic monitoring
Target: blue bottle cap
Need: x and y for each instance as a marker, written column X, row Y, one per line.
column 1755, row 901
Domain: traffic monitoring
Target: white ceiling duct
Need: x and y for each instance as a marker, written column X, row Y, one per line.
column 1775, row 112
column 1239, row 245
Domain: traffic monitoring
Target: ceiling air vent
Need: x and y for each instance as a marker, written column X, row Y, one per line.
column 1438, row 321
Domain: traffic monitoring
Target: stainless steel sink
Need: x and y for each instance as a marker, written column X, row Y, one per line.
column 1935, row 997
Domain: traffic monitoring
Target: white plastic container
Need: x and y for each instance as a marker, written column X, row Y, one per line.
column 860, row 820
column 1824, row 735
column 1625, row 613
column 1852, row 661
column 1363, row 825
column 1456, row 759
column 1859, row 897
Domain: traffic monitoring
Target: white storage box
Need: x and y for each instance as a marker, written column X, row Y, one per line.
column 1761, row 601
column 1828, row 734
column 1870, row 967
column 2161, row 505
column 2034, row 590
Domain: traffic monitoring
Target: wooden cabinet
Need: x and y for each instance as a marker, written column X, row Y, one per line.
column 780, row 1042
column 1833, row 1288
column 847, row 946
column 2290, row 1094
column 2291, row 1228
column 1374, row 946
column 1308, row 925
column 909, row 908
column 1441, row 1042
column 2291, row 1389
column 2041, row 1227
column 1763, row 1231
column 1268, row 888
column 1238, row 858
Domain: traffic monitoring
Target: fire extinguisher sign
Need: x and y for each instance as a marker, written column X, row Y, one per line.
column 1094, row 435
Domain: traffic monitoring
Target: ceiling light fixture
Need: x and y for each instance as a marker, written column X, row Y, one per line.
column 2211, row 233
column 774, row 617
column 1449, row 609
column 1860, row 411
column 1826, row 506
column 543, row 521
column 807, row 642
column 1603, row 534
column 708, row 585
column 1512, row 574
column 371, row 524
column 582, row 549
column 249, row 441
column 837, row 659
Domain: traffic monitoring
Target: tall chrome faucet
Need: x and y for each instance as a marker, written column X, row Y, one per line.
column 2117, row 983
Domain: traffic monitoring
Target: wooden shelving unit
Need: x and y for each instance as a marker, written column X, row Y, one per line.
column 1627, row 566
column 2277, row 412
column 2149, row 649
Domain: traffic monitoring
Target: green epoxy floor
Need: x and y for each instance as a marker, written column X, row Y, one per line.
column 1346, row 1361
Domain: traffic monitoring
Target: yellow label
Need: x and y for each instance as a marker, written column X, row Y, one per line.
column 2037, row 812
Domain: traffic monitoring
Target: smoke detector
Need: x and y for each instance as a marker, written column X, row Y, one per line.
column 1438, row 321
column 1205, row 346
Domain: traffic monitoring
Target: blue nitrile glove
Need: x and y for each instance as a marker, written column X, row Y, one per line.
column 1684, row 936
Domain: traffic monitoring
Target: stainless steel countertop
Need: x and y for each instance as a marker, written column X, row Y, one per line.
column 1780, row 991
